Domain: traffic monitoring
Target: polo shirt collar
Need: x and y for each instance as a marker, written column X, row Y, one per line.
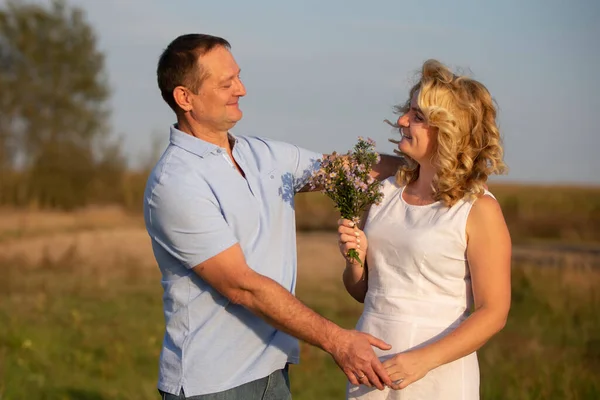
column 193, row 144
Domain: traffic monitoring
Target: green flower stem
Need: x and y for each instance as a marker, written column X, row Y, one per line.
column 353, row 254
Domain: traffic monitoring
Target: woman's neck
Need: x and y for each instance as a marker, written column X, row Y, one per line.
column 423, row 186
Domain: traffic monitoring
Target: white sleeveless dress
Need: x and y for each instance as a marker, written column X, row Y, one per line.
column 419, row 290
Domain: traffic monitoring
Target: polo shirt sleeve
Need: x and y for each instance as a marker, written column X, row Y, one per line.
column 187, row 223
column 301, row 163
column 305, row 163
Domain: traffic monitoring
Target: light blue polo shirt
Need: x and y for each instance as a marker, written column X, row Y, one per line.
column 196, row 205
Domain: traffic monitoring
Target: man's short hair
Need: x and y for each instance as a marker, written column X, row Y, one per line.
column 178, row 64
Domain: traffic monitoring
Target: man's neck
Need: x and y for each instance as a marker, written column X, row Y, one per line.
column 219, row 138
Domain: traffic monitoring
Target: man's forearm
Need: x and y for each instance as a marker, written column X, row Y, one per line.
column 387, row 166
column 269, row 300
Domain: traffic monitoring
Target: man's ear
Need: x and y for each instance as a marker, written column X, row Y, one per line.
column 183, row 98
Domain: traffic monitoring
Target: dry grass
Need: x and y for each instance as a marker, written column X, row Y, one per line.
column 21, row 223
column 103, row 247
column 328, row 265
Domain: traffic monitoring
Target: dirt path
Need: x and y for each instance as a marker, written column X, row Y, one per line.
column 317, row 252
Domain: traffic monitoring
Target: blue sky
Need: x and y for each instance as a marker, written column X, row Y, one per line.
column 321, row 73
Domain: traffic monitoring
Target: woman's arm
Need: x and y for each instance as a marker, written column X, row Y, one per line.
column 355, row 279
column 355, row 275
column 489, row 255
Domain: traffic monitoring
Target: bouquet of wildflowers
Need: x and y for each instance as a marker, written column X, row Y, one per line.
column 347, row 181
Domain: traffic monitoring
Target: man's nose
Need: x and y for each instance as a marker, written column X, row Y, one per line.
column 241, row 89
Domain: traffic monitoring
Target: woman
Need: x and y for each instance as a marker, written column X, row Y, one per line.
column 436, row 281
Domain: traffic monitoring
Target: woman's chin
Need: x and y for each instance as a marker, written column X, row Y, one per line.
column 404, row 149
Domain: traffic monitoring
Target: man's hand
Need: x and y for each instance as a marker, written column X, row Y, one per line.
column 354, row 355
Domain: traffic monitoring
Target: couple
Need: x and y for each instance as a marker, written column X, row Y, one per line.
column 224, row 239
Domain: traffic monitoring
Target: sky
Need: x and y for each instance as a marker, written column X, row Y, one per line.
column 320, row 73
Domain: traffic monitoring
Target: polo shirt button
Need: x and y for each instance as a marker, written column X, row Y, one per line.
column 272, row 176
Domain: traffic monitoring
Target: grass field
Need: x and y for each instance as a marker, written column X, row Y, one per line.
column 81, row 318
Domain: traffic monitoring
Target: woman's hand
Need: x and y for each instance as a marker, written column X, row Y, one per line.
column 350, row 237
column 406, row 368
column 355, row 276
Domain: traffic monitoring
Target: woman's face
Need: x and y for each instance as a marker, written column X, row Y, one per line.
column 418, row 139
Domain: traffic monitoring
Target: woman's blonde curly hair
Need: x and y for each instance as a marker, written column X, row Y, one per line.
column 469, row 146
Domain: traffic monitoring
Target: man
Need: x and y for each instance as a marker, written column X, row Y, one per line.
column 219, row 211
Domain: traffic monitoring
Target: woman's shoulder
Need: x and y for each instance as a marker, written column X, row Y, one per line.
column 487, row 193
column 486, row 218
column 471, row 202
column 471, row 198
column 484, row 207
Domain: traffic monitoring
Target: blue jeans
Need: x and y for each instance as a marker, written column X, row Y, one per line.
column 273, row 387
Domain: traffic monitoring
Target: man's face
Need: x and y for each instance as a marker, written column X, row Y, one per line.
column 216, row 106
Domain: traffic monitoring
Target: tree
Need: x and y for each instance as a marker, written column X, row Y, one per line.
column 53, row 99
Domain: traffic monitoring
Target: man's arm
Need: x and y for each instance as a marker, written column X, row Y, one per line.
column 387, row 166
column 229, row 274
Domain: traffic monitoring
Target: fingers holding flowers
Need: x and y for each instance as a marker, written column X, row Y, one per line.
column 351, row 238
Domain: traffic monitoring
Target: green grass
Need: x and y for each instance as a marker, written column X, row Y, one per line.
column 72, row 331
column 67, row 332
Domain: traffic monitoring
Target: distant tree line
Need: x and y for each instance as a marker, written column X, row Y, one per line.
column 56, row 148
